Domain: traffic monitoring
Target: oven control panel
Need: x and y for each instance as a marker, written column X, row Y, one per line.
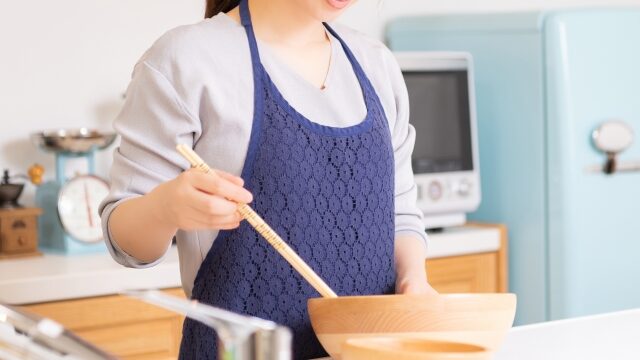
column 441, row 194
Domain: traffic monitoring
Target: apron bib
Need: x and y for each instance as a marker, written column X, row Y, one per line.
column 328, row 192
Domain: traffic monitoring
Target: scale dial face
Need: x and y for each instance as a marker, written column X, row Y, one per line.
column 78, row 204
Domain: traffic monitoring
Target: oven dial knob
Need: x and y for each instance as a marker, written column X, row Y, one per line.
column 435, row 190
column 464, row 188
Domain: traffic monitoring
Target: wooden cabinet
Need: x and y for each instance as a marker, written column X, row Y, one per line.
column 463, row 274
column 485, row 272
column 128, row 328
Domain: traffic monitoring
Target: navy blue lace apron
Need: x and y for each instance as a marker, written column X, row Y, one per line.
column 328, row 192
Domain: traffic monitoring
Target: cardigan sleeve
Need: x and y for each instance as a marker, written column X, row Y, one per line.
column 152, row 122
column 409, row 217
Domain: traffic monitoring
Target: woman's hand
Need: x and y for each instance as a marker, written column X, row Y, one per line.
column 195, row 200
column 414, row 285
column 411, row 276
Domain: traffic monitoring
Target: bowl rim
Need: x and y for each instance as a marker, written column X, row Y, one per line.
column 502, row 297
column 447, row 295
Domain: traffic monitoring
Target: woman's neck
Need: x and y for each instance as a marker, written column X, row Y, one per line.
column 284, row 22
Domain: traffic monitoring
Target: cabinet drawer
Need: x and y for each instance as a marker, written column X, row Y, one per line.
column 101, row 311
column 149, row 339
column 464, row 274
column 19, row 242
column 17, row 223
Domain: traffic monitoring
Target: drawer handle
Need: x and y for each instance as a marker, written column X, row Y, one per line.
column 19, row 224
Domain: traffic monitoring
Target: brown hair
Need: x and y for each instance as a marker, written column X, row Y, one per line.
column 214, row 7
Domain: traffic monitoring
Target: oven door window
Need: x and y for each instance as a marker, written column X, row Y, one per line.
column 439, row 108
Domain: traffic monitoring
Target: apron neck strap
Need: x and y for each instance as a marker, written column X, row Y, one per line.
column 245, row 15
column 245, row 20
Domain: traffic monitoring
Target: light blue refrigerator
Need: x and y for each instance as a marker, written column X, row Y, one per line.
column 545, row 81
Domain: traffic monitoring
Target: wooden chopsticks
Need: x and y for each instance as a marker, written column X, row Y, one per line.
column 266, row 231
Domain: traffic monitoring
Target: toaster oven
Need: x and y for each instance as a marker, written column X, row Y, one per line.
column 445, row 156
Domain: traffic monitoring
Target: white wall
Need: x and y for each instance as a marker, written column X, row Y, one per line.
column 65, row 63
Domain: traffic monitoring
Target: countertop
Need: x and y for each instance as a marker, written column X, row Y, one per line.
column 606, row 336
column 57, row 277
column 612, row 336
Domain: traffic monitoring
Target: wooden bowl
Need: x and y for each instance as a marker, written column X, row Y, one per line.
column 477, row 319
column 402, row 348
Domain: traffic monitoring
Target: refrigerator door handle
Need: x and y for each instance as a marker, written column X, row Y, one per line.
column 613, row 137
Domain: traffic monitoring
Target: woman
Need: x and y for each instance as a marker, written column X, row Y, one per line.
column 308, row 124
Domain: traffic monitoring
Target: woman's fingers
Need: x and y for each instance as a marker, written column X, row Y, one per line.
column 414, row 286
column 215, row 184
column 193, row 218
column 203, row 225
column 234, row 179
column 228, row 226
column 228, row 219
column 211, row 205
column 213, row 211
column 216, row 220
column 209, row 201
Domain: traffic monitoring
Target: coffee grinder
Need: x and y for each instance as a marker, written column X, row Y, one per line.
column 18, row 225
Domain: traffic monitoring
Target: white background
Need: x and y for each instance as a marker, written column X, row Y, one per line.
column 66, row 63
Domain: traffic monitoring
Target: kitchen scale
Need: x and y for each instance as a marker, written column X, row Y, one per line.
column 70, row 223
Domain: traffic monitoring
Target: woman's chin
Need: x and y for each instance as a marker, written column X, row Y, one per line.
column 332, row 9
column 338, row 4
